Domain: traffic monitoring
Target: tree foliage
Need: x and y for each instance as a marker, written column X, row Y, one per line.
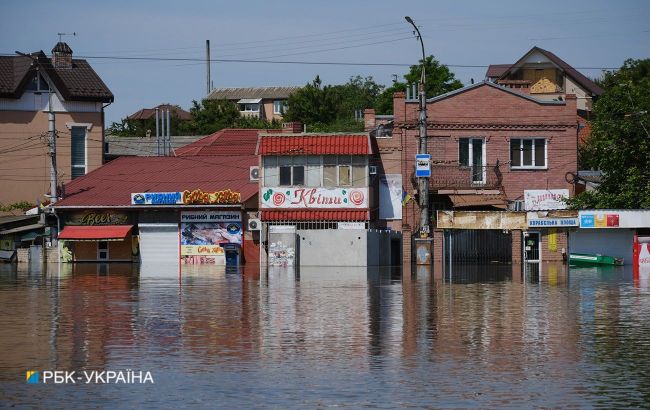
column 439, row 80
column 332, row 106
column 619, row 144
column 208, row 116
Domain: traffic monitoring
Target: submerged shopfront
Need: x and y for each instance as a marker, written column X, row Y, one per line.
column 155, row 227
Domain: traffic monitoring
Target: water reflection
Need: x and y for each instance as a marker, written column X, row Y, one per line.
column 548, row 336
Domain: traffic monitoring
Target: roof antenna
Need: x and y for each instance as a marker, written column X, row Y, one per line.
column 65, row 34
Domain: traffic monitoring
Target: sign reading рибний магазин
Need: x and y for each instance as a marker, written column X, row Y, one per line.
column 545, row 199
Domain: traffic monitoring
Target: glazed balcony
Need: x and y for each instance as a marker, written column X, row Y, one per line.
column 453, row 176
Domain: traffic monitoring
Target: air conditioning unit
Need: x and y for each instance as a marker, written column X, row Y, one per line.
column 372, row 169
column 254, row 224
column 255, row 173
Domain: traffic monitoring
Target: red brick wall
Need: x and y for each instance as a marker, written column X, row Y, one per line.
column 497, row 116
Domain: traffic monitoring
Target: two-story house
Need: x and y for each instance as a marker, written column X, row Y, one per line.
column 267, row 103
column 544, row 75
column 29, row 86
column 489, row 145
column 315, row 200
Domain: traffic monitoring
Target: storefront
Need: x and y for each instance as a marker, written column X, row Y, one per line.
column 609, row 232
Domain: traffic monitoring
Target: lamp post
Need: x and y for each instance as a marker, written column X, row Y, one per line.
column 423, row 182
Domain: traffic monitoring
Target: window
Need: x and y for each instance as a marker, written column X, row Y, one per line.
column 249, row 107
column 271, row 176
column 345, row 170
column 279, row 107
column 329, row 171
column 78, row 151
column 102, row 250
column 38, row 84
column 471, row 153
column 359, row 171
column 292, row 171
column 312, row 171
column 528, row 153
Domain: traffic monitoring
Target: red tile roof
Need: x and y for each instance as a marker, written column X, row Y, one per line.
column 148, row 113
column 315, row 215
column 113, row 183
column 225, row 142
column 95, row 232
column 315, row 144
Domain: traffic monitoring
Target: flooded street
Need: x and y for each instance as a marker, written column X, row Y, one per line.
column 339, row 337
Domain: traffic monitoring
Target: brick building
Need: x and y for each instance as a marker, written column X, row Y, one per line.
column 488, row 144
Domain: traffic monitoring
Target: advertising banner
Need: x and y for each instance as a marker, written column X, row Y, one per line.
column 623, row 218
column 204, row 232
column 545, row 199
column 314, row 198
column 390, row 196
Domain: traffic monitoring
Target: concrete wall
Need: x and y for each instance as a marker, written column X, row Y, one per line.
column 332, row 247
column 610, row 242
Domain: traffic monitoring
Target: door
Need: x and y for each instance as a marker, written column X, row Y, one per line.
column 532, row 250
column 102, row 250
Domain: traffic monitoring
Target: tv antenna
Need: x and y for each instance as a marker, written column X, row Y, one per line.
column 66, row 34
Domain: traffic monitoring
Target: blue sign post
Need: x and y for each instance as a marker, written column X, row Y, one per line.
column 422, row 165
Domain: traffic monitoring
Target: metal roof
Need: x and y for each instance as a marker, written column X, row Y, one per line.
column 112, row 184
column 252, row 92
column 315, row 144
column 229, row 141
column 316, row 215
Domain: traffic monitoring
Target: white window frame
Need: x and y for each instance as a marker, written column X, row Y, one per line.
column 283, row 107
column 88, row 127
column 321, row 167
column 521, row 153
column 470, row 157
column 246, row 107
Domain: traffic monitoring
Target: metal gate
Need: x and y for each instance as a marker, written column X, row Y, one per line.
column 472, row 255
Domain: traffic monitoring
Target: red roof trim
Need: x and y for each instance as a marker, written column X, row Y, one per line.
column 314, row 144
column 316, row 215
column 95, row 232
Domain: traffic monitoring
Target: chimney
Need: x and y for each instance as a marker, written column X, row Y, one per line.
column 369, row 119
column 62, row 56
column 292, row 127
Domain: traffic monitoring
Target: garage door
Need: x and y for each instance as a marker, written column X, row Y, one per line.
column 477, row 255
column 159, row 244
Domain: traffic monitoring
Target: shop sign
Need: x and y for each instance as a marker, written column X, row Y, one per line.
column 314, row 198
column 535, row 222
column 204, row 233
column 615, row 218
column 199, row 197
column 98, row 218
column 541, row 200
column 187, row 197
column 423, row 165
column 208, row 216
column 157, row 198
column 351, row 225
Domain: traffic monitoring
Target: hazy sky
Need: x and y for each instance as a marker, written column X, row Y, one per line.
column 588, row 34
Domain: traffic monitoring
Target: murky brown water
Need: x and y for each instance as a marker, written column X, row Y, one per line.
column 329, row 337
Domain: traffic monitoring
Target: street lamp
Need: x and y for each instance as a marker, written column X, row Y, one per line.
column 423, row 182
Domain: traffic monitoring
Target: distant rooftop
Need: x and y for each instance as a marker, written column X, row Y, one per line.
column 252, row 92
column 142, row 147
column 148, row 113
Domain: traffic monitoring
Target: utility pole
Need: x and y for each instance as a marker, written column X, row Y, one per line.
column 207, row 63
column 51, row 128
column 423, row 182
column 157, row 133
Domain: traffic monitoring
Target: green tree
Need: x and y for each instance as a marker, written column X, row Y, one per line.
column 439, row 80
column 333, row 107
column 210, row 116
column 619, row 144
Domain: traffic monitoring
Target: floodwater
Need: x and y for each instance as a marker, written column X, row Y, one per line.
column 327, row 337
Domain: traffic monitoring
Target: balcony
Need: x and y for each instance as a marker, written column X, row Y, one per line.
column 454, row 176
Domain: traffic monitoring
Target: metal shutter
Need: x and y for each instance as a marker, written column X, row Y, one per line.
column 159, row 244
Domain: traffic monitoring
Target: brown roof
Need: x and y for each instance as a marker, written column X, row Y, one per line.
column 315, row 144
column 497, row 70
column 79, row 83
column 113, row 183
column 228, row 141
column 148, row 113
column 252, row 92
column 581, row 79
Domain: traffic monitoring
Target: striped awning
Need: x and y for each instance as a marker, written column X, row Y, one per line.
column 315, row 215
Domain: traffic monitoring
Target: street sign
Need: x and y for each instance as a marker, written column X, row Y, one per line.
column 422, row 165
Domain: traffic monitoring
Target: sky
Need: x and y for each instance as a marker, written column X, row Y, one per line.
column 467, row 36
